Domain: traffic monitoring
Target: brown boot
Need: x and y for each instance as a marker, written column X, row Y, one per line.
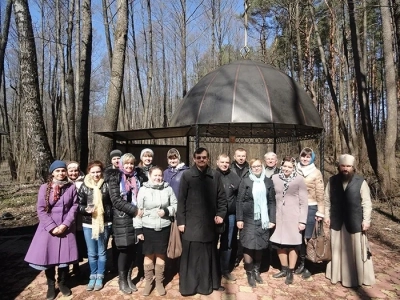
column 160, row 279
column 148, row 278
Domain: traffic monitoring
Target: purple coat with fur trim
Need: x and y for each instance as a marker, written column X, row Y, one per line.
column 47, row 249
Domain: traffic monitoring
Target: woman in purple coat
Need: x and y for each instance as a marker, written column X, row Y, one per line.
column 54, row 242
column 173, row 174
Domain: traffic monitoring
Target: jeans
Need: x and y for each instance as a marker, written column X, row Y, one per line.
column 226, row 243
column 97, row 250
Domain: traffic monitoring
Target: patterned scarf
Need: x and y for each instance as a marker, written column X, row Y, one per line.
column 129, row 184
column 287, row 180
column 260, row 198
column 98, row 213
column 57, row 186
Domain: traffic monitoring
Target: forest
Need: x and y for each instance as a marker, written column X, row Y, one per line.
column 71, row 68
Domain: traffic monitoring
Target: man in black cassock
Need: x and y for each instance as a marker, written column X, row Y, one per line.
column 202, row 206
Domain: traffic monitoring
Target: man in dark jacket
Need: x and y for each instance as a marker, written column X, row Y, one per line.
column 202, row 206
column 231, row 185
column 240, row 167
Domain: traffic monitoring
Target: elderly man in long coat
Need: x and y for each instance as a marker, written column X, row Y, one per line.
column 348, row 209
column 202, row 206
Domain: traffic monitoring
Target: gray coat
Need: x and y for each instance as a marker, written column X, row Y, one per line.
column 151, row 199
column 290, row 211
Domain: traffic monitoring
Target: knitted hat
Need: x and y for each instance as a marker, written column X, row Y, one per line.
column 173, row 152
column 115, row 153
column 145, row 150
column 56, row 165
column 347, row 160
column 72, row 164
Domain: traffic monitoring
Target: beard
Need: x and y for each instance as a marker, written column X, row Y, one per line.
column 346, row 176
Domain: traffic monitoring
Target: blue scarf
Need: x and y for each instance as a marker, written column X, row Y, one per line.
column 260, row 199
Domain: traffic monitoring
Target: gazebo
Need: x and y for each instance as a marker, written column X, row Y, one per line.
column 242, row 102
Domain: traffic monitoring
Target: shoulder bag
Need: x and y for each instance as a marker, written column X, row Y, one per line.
column 174, row 249
column 319, row 246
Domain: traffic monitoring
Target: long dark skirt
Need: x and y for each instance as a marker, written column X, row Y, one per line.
column 199, row 271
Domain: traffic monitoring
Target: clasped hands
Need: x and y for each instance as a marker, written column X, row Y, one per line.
column 160, row 212
column 59, row 230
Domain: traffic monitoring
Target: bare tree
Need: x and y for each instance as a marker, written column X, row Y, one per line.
column 117, row 75
column 391, row 94
column 70, row 107
column 36, row 132
column 367, row 125
column 342, row 125
column 85, row 68
column 135, row 54
column 150, row 67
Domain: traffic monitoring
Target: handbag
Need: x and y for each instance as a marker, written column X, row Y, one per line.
column 319, row 246
column 174, row 249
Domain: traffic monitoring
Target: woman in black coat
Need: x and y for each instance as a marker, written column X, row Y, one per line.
column 124, row 184
column 255, row 215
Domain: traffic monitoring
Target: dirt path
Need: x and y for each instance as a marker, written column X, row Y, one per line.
column 22, row 282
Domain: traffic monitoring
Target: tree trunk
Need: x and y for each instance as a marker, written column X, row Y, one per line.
column 105, row 6
column 135, row 54
column 63, row 82
column 4, row 37
column 84, row 81
column 70, row 86
column 117, row 77
column 366, row 122
column 300, row 68
column 183, row 48
column 164, row 74
column 147, row 113
column 3, row 44
column 36, row 132
column 391, row 95
column 342, row 125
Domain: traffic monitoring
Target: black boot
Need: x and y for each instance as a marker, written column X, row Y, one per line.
column 250, row 274
column 306, row 274
column 131, row 285
column 62, row 278
column 257, row 273
column 282, row 273
column 51, row 282
column 289, row 276
column 300, row 268
column 123, row 283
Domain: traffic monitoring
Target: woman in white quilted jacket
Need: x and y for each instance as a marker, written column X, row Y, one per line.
column 156, row 203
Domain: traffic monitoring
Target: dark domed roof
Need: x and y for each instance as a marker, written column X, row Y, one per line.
column 250, row 99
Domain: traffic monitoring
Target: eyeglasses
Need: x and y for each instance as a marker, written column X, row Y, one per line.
column 256, row 167
column 201, row 157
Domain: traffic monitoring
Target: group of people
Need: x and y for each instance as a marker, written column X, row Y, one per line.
column 271, row 206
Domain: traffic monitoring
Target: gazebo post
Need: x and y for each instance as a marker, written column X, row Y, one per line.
column 197, row 139
column 188, row 150
column 321, row 152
